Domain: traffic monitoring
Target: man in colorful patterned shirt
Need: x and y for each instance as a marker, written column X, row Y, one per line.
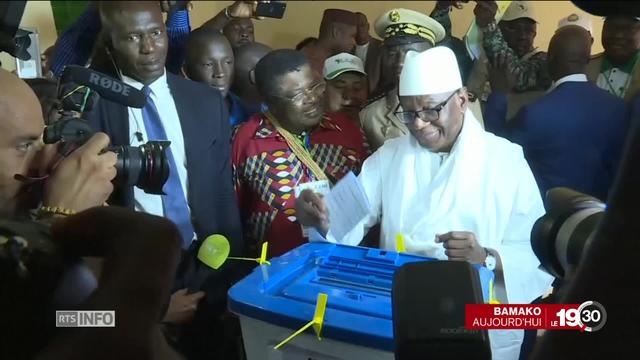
column 293, row 143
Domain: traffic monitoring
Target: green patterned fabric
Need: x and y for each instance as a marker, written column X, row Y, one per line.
column 531, row 69
column 66, row 12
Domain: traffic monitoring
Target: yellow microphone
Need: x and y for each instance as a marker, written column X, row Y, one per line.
column 213, row 253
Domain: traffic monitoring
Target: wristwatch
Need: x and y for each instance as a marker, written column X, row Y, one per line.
column 489, row 261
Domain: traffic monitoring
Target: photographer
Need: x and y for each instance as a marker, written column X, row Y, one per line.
column 141, row 254
column 75, row 183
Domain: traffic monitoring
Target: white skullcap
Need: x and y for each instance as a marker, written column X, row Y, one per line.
column 432, row 71
column 583, row 21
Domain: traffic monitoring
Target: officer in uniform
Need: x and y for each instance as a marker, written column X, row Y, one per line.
column 616, row 70
column 402, row 30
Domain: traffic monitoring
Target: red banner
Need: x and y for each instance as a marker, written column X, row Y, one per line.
column 588, row 316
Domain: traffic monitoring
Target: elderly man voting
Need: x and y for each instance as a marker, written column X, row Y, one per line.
column 453, row 190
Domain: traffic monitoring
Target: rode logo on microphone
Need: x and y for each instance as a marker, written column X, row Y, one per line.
column 106, row 83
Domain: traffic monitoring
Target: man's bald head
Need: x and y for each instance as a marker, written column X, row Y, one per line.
column 569, row 52
column 248, row 56
column 202, row 37
column 21, row 126
column 246, row 59
column 136, row 37
column 209, row 59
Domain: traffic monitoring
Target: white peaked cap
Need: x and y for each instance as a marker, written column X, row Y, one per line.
column 433, row 71
column 583, row 21
column 518, row 10
column 340, row 64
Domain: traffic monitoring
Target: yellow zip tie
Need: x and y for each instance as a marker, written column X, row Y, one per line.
column 263, row 254
column 318, row 320
column 318, row 316
column 261, row 260
column 492, row 300
column 244, row 258
column 400, row 246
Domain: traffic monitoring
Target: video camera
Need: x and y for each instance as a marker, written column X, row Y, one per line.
column 13, row 40
column 145, row 166
column 561, row 236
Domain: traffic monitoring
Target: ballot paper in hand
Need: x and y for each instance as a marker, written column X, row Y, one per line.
column 321, row 187
column 347, row 204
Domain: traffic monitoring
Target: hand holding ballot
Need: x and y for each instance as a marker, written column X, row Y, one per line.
column 342, row 208
column 312, row 211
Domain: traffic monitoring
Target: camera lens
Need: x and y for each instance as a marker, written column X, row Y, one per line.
column 560, row 237
column 146, row 166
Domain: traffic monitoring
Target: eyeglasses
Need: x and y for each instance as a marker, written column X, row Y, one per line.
column 426, row 115
column 316, row 89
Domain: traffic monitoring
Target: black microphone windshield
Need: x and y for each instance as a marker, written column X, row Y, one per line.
column 108, row 87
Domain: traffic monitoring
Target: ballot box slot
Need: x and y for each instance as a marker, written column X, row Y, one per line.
column 361, row 273
column 354, row 285
column 344, row 295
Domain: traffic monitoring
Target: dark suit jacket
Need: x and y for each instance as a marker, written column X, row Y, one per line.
column 211, row 196
column 206, row 130
column 571, row 137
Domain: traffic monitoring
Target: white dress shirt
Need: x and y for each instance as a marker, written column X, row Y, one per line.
column 615, row 81
column 568, row 78
column 161, row 96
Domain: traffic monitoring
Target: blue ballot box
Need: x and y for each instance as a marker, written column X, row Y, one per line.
column 275, row 300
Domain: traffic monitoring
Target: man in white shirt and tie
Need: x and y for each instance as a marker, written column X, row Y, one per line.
column 200, row 198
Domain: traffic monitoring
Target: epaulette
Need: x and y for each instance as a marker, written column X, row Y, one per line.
column 374, row 99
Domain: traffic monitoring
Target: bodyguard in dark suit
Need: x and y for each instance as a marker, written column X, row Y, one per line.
column 199, row 198
column 574, row 135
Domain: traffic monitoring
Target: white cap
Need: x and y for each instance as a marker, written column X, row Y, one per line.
column 433, row 71
column 341, row 63
column 519, row 10
column 584, row 21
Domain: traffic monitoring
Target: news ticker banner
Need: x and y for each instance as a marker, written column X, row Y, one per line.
column 589, row 316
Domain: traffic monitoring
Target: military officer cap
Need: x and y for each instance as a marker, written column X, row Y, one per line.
column 408, row 26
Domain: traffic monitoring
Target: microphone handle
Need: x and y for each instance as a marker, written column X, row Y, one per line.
column 197, row 281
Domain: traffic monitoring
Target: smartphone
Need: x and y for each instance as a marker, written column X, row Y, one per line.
column 272, row 9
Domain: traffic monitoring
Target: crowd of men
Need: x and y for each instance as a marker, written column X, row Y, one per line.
column 454, row 153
